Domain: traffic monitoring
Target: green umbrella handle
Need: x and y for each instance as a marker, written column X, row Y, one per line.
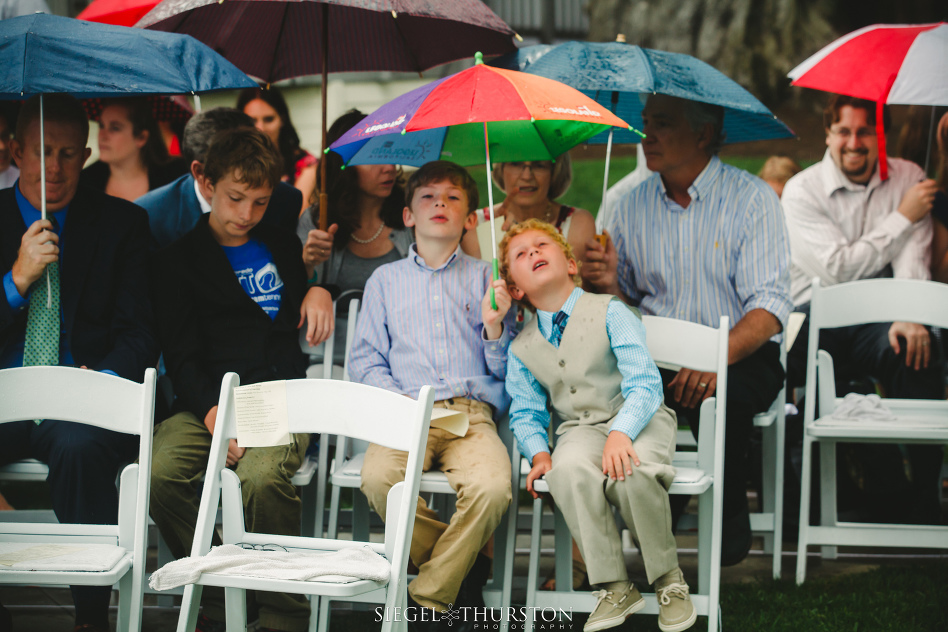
column 496, row 275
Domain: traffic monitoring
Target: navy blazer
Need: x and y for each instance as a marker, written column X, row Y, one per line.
column 208, row 325
column 107, row 316
column 173, row 210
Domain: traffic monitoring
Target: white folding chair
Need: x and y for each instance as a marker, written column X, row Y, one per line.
column 918, row 421
column 673, row 344
column 105, row 401
column 348, row 475
column 351, row 410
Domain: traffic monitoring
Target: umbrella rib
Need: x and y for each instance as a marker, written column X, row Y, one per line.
column 273, row 60
column 408, row 48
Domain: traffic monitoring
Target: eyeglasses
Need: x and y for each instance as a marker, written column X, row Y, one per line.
column 261, row 547
column 538, row 166
column 863, row 133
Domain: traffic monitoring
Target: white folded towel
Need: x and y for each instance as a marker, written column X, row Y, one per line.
column 347, row 565
column 856, row 406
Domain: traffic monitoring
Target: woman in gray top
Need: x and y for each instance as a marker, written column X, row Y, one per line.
column 365, row 230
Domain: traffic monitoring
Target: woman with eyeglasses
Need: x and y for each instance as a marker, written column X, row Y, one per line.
column 532, row 188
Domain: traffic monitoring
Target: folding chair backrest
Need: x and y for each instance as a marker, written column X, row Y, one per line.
column 343, row 408
column 679, row 343
column 879, row 301
column 862, row 302
column 78, row 395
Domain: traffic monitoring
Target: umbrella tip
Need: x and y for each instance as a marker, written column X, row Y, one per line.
column 620, row 38
column 478, row 58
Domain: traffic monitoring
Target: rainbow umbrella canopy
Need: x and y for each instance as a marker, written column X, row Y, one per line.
column 524, row 117
column 475, row 116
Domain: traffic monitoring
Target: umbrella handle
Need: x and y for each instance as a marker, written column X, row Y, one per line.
column 494, row 277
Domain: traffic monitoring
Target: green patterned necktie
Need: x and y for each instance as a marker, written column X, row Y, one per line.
column 41, row 345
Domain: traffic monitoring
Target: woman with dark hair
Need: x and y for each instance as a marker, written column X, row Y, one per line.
column 271, row 116
column 133, row 159
column 366, row 229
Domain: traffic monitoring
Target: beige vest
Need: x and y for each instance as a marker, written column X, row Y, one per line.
column 581, row 376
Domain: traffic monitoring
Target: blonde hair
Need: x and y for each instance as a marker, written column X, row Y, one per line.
column 560, row 178
column 779, row 169
column 523, row 227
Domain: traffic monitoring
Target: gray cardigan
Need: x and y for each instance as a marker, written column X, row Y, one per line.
column 328, row 272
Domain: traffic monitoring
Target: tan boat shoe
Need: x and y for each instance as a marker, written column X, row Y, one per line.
column 616, row 602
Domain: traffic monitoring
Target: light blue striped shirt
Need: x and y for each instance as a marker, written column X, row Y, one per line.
column 641, row 383
column 423, row 326
column 725, row 255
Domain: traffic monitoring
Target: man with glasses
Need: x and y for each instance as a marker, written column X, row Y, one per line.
column 847, row 223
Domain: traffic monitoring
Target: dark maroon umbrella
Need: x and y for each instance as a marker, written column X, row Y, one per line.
column 280, row 39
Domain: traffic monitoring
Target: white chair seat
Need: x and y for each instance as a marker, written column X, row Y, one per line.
column 915, row 426
column 764, row 419
column 25, row 470
column 341, row 590
column 306, row 471
column 688, row 480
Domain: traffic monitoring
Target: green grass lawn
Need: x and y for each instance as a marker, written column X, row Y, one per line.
column 888, row 599
column 586, row 190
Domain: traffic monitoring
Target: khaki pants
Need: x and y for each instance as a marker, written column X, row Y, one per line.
column 586, row 496
column 478, row 468
column 271, row 505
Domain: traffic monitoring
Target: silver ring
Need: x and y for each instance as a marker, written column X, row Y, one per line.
column 702, row 385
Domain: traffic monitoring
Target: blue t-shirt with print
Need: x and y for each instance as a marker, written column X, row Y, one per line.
column 257, row 274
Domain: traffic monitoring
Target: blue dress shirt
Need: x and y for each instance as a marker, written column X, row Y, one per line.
column 420, row 325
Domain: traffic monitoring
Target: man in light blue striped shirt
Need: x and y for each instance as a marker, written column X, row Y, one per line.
column 696, row 241
column 427, row 319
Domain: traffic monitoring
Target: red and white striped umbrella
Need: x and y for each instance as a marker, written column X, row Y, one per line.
column 891, row 63
column 885, row 63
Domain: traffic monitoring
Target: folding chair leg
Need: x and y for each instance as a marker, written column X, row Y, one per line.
column 333, row 529
column 781, row 430
column 806, row 482
column 322, row 472
column 125, row 617
column 360, row 516
column 314, row 613
column 705, row 528
column 768, row 479
column 190, row 603
column 828, row 486
column 325, row 609
column 563, row 551
column 308, row 510
column 235, row 603
column 533, row 568
column 164, row 557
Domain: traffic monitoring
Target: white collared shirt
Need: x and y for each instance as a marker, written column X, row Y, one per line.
column 841, row 231
column 205, row 205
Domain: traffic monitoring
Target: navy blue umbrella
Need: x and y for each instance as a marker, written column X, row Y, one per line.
column 43, row 54
column 615, row 74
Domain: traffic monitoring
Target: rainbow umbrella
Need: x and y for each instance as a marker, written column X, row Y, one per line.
column 475, row 114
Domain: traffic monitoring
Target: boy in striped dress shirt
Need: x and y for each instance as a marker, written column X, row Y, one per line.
column 427, row 319
column 585, row 354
